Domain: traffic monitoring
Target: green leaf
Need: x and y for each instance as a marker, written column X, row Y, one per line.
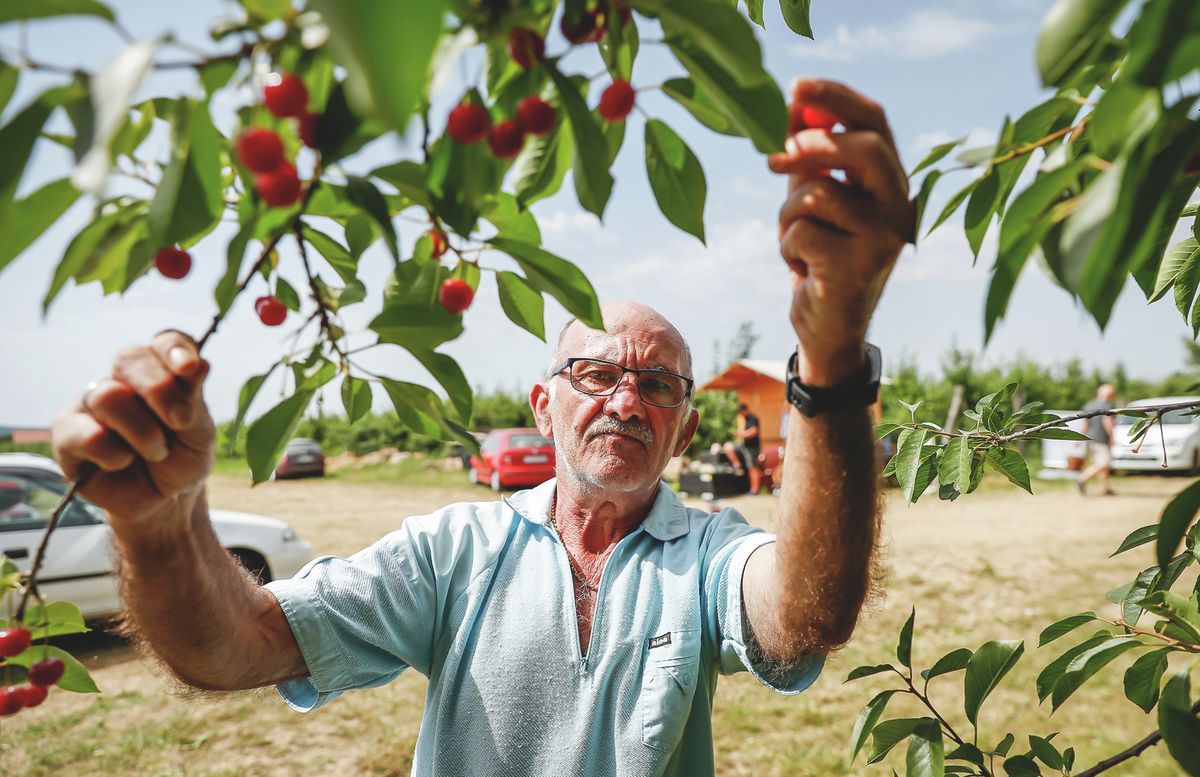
column 235, row 252
column 955, row 202
column 909, row 447
column 522, row 304
column 1188, row 276
column 286, row 294
column 953, row 661
column 556, row 276
column 17, row 138
column 386, row 49
column 245, row 397
column 985, row 670
column 1010, row 464
column 676, row 178
column 1182, row 612
column 363, row 193
column 685, row 92
column 1142, row 678
column 904, row 646
column 1069, row 36
column 17, row 10
column 54, row 620
column 754, row 10
column 718, row 29
column 758, row 111
column 407, row 176
column 9, row 76
column 421, row 411
column 1185, row 253
column 1021, row 766
column 412, row 316
column 336, row 254
column 356, row 397
column 866, row 671
column 513, row 221
column 954, row 468
column 1086, row 664
column 1064, row 626
column 866, row 722
column 926, row 751
column 446, row 371
column 795, row 13
column 267, row 10
column 1004, row 745
column 1174, row 522
column 1137, row 537
column 269, row 435
column 890, row 733
column 539, row 170
column 1046, row 752
column 927, row 184
column 1058, row 434
column 75, row 677
column 593, row 181
column 1179, row 725
column 189, row 198
column 461, row 180
column 936, row 154
column 24, row 220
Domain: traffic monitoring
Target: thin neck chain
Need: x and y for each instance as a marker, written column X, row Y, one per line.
column 583, row 581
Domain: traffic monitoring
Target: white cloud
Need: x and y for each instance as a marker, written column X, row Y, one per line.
column 976, row 137
column 923, row 35
column 945, row 255
column 574, row 224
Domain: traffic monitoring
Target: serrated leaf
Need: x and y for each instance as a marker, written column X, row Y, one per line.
column 926, row 751
column 1010, row 464
column 676, row 178
column 1064, row 627
column 411, row 316
column 268, row 436
column 523, row 305
column 54, row 619
column 1083, row 666
column 356, row 397
column 1173, row 524
column 866, row 722
column 795, row 14
column 556, row 276
column 1182, row 612
column 954, row 468
column 1143, row 677
column 987, row 667
column 908, row 459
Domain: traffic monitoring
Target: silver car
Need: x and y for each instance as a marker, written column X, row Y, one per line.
column 79, row 559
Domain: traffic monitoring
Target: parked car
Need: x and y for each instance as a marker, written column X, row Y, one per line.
column 302, row 458
column 510, row 458
column 79, row 565
column 1180, row 435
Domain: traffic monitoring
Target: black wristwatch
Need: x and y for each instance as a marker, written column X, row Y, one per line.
column 860, row 391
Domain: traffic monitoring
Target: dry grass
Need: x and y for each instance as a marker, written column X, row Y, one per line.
column 998, row 565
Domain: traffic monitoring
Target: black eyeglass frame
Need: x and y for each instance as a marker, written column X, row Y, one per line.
column 637, row 375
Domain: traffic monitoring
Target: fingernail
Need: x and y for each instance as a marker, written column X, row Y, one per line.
column 179, row 356
column 158, row 452
column 791, row 145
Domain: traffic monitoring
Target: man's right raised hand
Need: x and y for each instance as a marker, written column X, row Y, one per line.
column 145, row 427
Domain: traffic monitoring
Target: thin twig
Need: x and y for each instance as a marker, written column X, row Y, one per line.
column 1185, row 646
column 1133, row 751
column 326, row 326
column 1004, row 438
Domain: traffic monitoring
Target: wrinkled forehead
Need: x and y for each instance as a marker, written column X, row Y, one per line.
column 642, row 344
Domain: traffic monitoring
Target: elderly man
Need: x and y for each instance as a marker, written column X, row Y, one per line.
column 577, row 628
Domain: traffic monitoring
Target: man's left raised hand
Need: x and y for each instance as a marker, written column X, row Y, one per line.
column 839, row 239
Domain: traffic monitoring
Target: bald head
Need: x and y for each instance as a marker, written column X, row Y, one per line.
column 1106, row 392
column 625, row 318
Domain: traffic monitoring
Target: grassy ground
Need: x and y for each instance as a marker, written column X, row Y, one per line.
column 997, row 565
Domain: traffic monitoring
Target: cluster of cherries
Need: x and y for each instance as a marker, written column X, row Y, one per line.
column 43, row 674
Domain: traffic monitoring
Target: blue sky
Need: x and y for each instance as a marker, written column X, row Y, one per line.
column 942, row 69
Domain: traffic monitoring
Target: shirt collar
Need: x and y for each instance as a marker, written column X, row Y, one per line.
column 666, row 521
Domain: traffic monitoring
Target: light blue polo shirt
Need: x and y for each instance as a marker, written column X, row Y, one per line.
column 478, row 597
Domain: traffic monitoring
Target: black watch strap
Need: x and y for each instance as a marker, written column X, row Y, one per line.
column 861, row 391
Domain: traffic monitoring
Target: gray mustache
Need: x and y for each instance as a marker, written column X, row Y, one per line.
column 608, row 425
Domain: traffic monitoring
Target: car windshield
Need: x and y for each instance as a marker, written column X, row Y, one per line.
column 1174, row 417
column 27, row 500
column 527, row 441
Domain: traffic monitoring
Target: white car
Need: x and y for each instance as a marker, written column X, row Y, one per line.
column 1180, row 433
column 1057, row 454
column 79, row 559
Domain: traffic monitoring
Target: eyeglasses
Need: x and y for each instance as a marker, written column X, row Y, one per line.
column 600, row 379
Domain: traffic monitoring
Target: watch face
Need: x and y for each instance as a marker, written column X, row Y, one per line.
column 814, row 400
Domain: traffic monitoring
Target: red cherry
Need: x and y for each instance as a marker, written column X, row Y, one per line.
column 439, row 243
column 270, row 311
column 468, row 123
column 815, row 118
column 280, row 187
column 10, row 701
column 48, row 671
column 30, row 695
column 536, row 116
column 456, row 295
column 525, row 46
column 260, row 149
column 506, row 139
column 625, row 12
column 14, row 641
column 285, row 95
column 617, row 101
column 309, row 127
column 173, row 262
column 589, row 28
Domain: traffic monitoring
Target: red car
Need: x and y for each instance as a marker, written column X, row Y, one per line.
column 510, row 458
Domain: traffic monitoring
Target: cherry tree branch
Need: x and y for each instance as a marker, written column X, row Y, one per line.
column 1133, row 751
column 1160, row 409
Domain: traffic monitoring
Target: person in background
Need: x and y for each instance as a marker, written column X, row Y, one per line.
column 1099, row 433
column 743, row 454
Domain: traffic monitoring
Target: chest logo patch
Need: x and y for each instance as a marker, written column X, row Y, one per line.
column 660, row 640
